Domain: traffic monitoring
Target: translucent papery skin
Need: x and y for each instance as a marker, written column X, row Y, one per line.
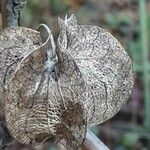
column 44, row 98
column 15, row 44
column 104, row 64
column 55, row 90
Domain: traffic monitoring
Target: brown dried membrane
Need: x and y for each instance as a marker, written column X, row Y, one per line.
column 57, row 90
column 40, row 92
column 15, row 44
column 104, row 64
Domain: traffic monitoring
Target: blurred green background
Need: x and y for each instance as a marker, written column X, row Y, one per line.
column 129, row 22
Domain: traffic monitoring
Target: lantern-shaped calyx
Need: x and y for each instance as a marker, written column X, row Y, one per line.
column 44, row 97
column 55, row 90
column 105, row 67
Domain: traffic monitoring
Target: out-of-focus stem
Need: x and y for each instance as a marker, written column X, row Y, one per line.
column 4, row 13
column 93, row 143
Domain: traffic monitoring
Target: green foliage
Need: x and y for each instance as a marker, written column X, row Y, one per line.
column 129, row 140
column 58, row 6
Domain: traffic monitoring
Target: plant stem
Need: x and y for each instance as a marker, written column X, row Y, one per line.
column 11, row 12
column 93, row 143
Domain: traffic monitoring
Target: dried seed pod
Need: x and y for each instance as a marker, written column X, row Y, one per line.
column 104, row 64
column 55, row 91
column 44, row 97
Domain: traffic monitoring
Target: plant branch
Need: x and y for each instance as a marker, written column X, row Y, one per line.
column 10, row 10
column 93, row 143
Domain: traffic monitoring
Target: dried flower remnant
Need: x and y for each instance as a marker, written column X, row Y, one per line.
column 104, row 64
column 57, row 90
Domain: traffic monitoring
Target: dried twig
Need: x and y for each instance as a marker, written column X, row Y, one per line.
column 11, row 12
column 93, row 143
